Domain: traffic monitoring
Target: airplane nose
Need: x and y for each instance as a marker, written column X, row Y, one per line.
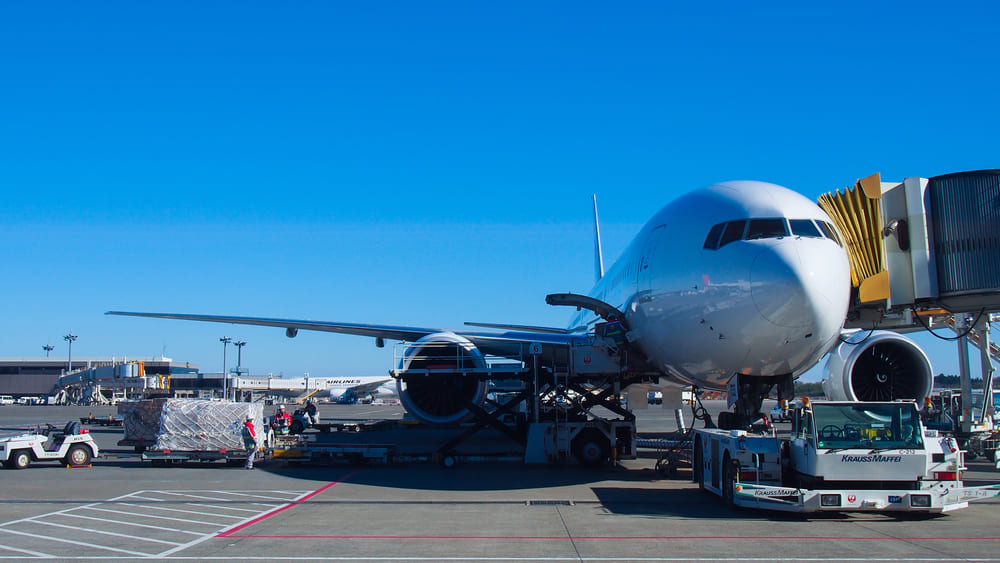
column 801, row 283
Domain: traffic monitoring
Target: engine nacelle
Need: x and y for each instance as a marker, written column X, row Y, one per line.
column 440, row 398
column 880, row 366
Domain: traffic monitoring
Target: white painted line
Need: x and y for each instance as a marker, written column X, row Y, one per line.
column 181, row 510
column 213, row 524
column 282, row 499
column 237, row 525
column 74, row 542
column 188, row 495
column 28, row 551
column 147, row 498
column 226, row 507
column 93, row 531
column 124, row 523
column 576, row 559
column 66, row 510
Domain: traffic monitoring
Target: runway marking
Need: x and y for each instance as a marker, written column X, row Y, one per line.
column 119, row 528
column 255, row 496
column 74, row 542
column 226, row 508
column 191, row 496
column 103, row 532
column 266, row 515
column 153, row 516
column 125, row 523
column 577, row 559
column 606, row 538
column 185, row 511
column 147, row 498
column 28, row 551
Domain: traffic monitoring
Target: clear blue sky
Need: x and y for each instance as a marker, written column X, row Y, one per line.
column 426, row 163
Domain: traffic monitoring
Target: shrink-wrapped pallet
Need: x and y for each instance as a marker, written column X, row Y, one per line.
column 197, row 425
column 189, row 424
column 141, row 419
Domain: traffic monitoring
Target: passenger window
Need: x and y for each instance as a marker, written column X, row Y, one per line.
column 766, row 228
column 804, row 228
column 830, row 232
column 712, row 240
column 734, row 231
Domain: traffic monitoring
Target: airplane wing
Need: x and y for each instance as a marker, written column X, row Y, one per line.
column 496, row 343
column 364, row 389
column 376, row 331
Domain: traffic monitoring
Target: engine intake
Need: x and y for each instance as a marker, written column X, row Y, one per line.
column 880, row 366
column 440, row 398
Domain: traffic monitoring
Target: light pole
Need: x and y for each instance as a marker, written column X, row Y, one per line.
column 70, row 338
column 48, row 348
column 225, row 340
column 239, row 356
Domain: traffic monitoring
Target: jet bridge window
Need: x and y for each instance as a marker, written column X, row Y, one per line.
column 766, row 228
column 804, row 228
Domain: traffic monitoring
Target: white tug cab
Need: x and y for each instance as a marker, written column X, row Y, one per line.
column 841, row 456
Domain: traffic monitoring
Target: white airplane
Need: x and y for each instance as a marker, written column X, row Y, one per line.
column 744, row 279
column 351, row 390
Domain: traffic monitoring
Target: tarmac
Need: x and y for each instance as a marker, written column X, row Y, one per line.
column 122, row 508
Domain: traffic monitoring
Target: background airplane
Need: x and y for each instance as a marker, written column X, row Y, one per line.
column 351, row 390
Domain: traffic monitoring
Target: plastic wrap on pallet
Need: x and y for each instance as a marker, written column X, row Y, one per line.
column 141, row 419
column 196, row 425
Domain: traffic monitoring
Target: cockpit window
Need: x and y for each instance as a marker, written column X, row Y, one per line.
column 766, row 228
column 724, row 233
column 830, row 232
column 733, row 232
column 712, row 240
column 804, row 228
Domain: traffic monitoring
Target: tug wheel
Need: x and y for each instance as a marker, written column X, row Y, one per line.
column 19, row 460
column 78, row 455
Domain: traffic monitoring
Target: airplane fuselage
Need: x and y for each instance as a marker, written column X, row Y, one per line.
column 707, row 296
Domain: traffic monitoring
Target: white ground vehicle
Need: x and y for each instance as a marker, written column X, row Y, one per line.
column 71, row 446
column 841, row 456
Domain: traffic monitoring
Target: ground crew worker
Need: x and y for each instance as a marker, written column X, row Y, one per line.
column 311, row 413
column 249, row 441
column 281, row 421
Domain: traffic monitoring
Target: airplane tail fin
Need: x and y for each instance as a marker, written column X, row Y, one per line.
column 598, row 254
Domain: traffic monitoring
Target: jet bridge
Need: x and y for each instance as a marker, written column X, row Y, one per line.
column 923, row 246
column 925, row 253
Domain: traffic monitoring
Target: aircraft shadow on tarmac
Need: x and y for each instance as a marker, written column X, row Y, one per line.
column 469, row 477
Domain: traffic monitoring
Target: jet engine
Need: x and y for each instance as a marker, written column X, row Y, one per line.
column 878, row 366
column 440, row 398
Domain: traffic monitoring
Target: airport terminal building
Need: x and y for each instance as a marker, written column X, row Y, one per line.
column 40, row 376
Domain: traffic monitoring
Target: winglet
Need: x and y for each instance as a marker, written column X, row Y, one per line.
column 598, row 254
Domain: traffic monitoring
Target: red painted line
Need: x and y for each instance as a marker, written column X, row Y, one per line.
column 229, row 533
column 653, row 538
